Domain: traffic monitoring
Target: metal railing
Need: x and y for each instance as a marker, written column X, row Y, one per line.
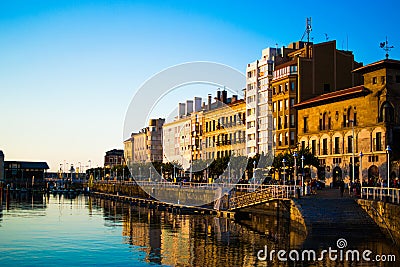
column 262, row 194
column 381, row 193
column 290, row 190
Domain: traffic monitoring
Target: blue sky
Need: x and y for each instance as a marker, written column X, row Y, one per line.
column 68, row 69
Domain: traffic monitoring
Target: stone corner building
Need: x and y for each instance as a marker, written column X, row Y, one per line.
column 326, row 122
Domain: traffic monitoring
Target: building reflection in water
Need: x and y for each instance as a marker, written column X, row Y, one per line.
column 199, row 240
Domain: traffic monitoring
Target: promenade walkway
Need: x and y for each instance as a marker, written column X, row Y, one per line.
column 329, row 217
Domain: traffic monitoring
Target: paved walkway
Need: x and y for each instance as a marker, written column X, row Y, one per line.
column 329, row 217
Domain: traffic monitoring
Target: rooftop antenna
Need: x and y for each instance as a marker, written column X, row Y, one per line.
column 385, row 46
column 308, row 30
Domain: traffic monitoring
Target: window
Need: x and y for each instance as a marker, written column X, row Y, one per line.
column 286, row 138
column 337, row 145
column 292, row 86
column 286, row 103
column 324, row 146
column 286, row 121
column 286, row 87
column 280, row 88
column 292, row 120
column 279, row 105
column 349, row 144
column 378, row 141
column 313, row 146
column 291, row 102
column 305, row 124
column 291, row 138
column 274, row 107
column 280, row 140
column 382, row 79
column 303, row 144
column 374, row 80
column 387, row 113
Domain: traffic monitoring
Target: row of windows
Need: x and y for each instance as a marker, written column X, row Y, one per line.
column 283, row 140
column 285, row 71
column 338, row 145
column 224, row 122
column 283, row 104
column 225, row 139
column 325, row 122
column 284, row 88
column 390, row 79
column 284, row 122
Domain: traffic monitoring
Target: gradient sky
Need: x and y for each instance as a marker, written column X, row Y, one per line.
column 69, row 69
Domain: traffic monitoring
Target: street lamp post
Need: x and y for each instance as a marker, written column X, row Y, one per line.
column 229, row 172
column 361, row 176
column 295, row 168
column 254, row 175
column 352, row 150
column 150, row 174
column 302, row 174
column 284, row 171
column 161, row 174
column 388, row 150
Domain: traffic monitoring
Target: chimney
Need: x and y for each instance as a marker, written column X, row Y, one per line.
column 189, row 106
column 209, row 102
column 219, row 95
column 197, row 104
column 181, row 110
column 224, row 96
column 234, row 98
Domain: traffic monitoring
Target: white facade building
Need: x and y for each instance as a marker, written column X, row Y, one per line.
column 177, row 142
column 259, row 128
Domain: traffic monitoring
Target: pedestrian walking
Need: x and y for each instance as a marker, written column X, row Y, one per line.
column 341, row 187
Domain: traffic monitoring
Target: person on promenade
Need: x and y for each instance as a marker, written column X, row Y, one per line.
column 341, row 187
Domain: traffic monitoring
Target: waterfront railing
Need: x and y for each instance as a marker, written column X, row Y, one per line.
column 381, row 193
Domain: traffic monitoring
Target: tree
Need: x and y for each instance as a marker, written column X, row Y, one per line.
column 309, row 159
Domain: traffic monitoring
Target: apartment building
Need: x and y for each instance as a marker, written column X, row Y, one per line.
column 258, row 101
column 309, row 70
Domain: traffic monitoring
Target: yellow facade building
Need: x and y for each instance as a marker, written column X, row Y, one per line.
column 224, row 130
column 337, row 126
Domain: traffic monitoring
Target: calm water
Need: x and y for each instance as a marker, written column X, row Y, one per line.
column 82, row 231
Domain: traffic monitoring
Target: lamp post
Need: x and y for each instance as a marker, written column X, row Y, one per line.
column 388, row 150
column 361, row 176
column 150, row 174
column 284, row 171
column 302, row 174
column 295, row 168
column 352, row 150
column 191, row 171
column 229, row 172
column 161, row 174
column 254, row 175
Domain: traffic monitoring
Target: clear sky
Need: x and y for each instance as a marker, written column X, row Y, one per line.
column 68, row 69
